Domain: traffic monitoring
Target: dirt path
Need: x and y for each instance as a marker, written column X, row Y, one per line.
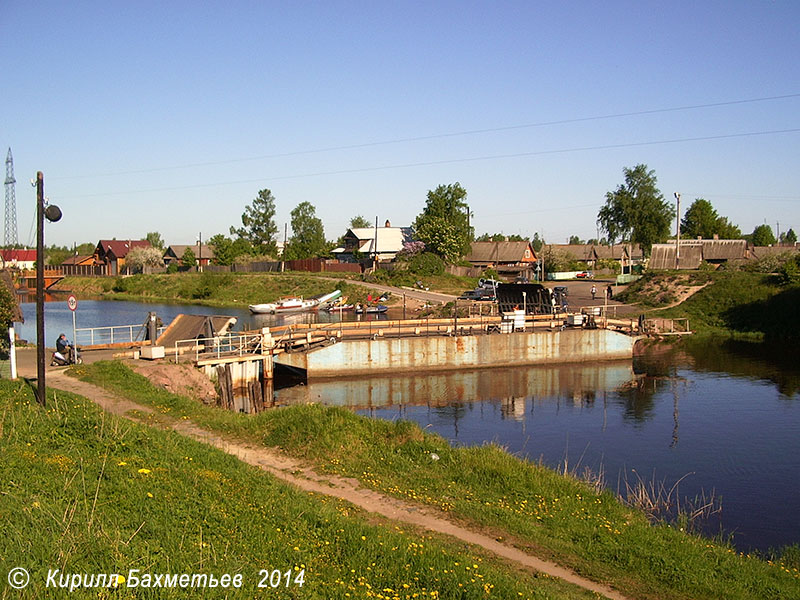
column 300, row 475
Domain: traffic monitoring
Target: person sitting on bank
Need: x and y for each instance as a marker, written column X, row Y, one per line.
column 62, row 348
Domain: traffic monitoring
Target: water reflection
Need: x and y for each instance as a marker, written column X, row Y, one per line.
column 714, row 416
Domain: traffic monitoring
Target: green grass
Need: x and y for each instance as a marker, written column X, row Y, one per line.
column 532, row 506
column 744, row 305
column 85, row 492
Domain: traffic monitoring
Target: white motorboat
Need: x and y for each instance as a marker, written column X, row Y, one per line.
column 293, row 304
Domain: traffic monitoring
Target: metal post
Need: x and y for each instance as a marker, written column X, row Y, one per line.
column 678, row 234
column 40, row 374
column 12, row 351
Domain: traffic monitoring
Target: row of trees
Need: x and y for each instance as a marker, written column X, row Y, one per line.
column 637, row 212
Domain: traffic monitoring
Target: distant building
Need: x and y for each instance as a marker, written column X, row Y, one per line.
column 174, row 254
column 111, row 254
column 502, row 254
column 382, row 243
column 694, row 252
column 24, row 260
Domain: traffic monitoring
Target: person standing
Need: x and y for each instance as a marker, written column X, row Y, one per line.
column 594, row 291
column 609, row 292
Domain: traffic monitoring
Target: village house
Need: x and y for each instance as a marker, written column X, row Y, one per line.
column 507, row 258
column 110, row 254
column 174, row 254
column 697, row 251
column 25, row 260
column 381, row 244
column 625, row 254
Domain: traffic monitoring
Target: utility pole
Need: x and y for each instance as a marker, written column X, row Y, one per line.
column 40, row 384
column 53, row 213
column 678, row 234
column 200, row 253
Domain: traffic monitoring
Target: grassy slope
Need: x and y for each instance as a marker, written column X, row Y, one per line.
column 86, row 492
column 735, row 303
column 534, row 506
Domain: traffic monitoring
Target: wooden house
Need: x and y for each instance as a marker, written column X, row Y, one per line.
column 110, row 254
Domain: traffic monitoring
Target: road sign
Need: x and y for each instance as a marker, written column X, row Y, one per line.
column 72, row 303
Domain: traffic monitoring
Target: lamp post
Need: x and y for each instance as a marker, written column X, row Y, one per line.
column 53, row 214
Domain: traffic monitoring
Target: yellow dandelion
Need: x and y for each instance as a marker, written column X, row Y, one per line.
column 145, row 471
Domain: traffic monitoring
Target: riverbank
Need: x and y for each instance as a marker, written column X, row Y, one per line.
column 94, row 493
column 522, row 503
column 738, row 304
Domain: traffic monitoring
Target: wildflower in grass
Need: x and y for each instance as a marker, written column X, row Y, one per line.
column 149, row 495
column 121, row 463
column 145, row 471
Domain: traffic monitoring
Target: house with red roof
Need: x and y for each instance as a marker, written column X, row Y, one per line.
column 111, row 254
column 18, row 259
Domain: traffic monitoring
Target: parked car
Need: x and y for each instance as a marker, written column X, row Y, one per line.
column 585, row 275
column 521, row 279
column 561, row 290
column 478, row 295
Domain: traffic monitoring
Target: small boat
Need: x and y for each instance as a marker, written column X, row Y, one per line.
column 337, row 307
column 294, row 304
column 371, row 310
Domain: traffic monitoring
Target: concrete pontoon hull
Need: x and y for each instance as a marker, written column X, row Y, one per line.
column 358, row 357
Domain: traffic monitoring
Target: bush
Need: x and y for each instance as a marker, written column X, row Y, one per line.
column 426, row 264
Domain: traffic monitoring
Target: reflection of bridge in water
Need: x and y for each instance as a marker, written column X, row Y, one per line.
column 578, row 382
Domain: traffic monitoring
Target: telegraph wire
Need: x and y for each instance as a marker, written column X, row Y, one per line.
column 438, row 136
column 444, row 162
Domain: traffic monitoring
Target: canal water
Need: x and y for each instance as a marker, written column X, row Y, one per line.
column 719, row 417
column 107, row 313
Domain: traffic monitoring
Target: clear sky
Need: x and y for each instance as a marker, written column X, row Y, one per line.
column 170, row 116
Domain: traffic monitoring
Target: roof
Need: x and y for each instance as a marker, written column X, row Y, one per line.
column 577, row 251
column 662, row 256
column 389, row 239
column 18, row 255
column 762, row 251
column 77, row 260
column 723, row 249
column 120, row 248
column 501, row 252
column 179, row 249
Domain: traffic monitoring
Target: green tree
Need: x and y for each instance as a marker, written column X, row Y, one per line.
column 155, row 239
column 790, row 237
column 727, row 230
column 701, row 220
column 226, row 251
column 636, row 211
column 537, row 242
column 258, row 220
column 574, row 239
column 443, row 224
column 763, row 236
column 189, row 259
column 359, row 222
column 308, row 235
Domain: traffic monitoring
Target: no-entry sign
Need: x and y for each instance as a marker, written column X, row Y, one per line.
column 72, row 303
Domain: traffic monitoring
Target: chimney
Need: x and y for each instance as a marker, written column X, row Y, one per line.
column 388, row 223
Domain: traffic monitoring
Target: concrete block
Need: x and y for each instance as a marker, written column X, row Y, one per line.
column 152, row 352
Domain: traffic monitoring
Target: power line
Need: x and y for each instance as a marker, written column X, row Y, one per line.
column 444, row 162
column 438, row 136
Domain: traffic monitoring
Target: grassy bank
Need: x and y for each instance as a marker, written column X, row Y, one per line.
column 85, row 492
column 212, row 289
column 524, row 503
column 740, row 304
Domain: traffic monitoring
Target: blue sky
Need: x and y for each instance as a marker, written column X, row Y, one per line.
column 170, row 116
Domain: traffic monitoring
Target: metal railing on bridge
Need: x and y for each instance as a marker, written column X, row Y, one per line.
column 88, row 337
column 223, row 346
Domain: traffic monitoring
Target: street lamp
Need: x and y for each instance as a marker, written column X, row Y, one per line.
column 53, row 214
